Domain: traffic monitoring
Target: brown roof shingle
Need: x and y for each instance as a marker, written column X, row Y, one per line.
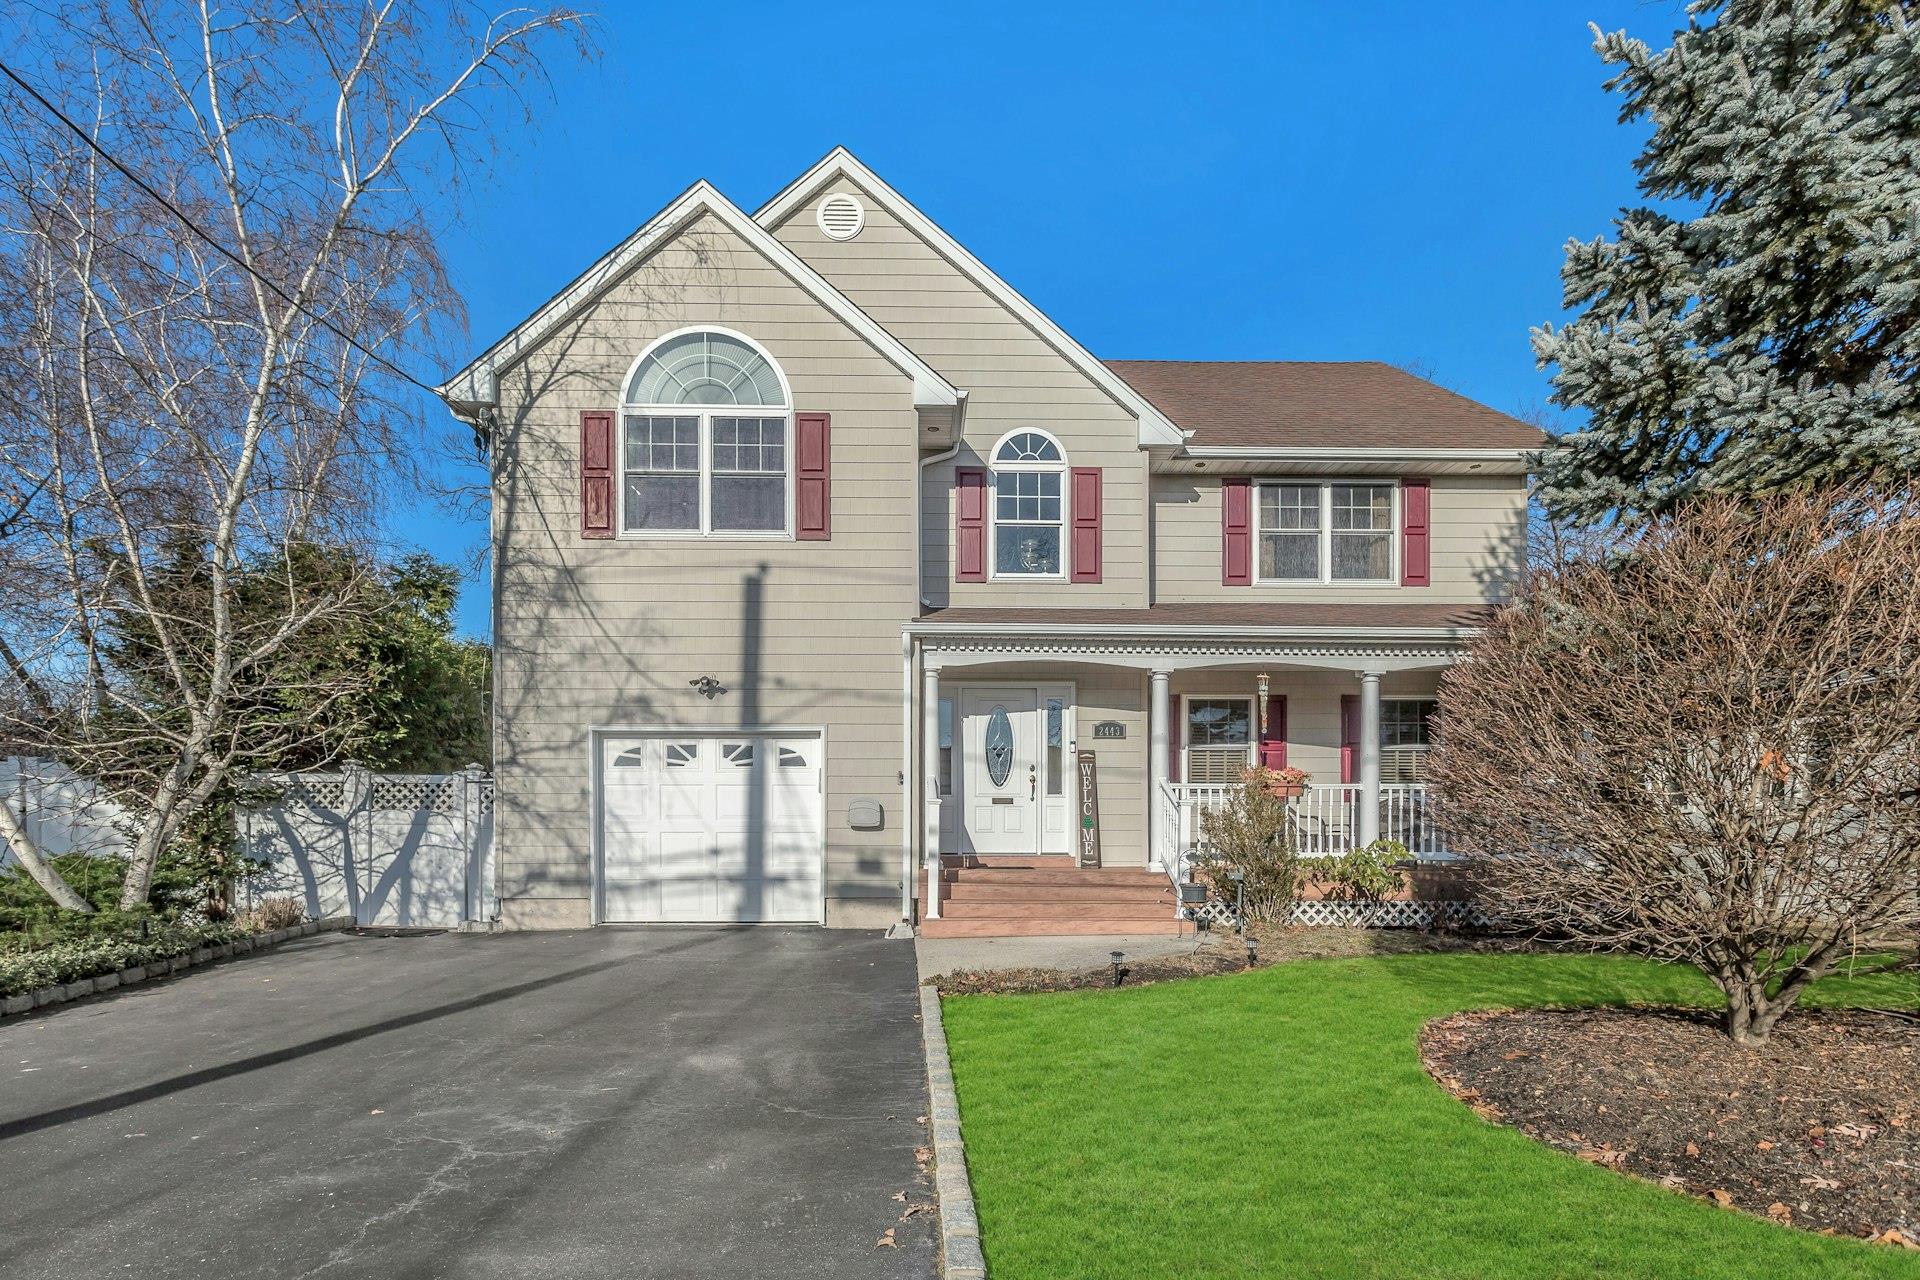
column 1360, row 404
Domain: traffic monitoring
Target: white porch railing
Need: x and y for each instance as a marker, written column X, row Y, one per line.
column 1324, row 818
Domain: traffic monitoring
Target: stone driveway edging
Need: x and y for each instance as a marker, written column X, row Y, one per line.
column 100, row 983
column 959, row 1224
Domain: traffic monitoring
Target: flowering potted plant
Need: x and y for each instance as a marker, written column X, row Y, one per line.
column 1288, row 784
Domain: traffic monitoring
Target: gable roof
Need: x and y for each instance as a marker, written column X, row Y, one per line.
column 1300, row 404
column 477, row 384
column 1156, row 429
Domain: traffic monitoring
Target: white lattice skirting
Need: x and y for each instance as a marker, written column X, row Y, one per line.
column 1389, row 915
column 1349, row 915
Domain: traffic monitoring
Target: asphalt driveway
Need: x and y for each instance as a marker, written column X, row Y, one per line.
column 735, row 1103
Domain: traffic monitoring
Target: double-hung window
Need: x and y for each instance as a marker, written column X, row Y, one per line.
column 1219, row 739
column 704, row 426
column 1318, row 531
column 1406, row 733
column 1029, row 511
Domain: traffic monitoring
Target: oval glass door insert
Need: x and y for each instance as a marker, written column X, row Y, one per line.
column 999, row 746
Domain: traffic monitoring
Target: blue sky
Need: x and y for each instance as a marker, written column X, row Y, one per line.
column 1261, row 181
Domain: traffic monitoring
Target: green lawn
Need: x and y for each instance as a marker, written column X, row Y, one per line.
column 1278, row 1123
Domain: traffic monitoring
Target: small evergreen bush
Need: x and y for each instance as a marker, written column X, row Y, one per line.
column 73, row 958
column 1365, row 877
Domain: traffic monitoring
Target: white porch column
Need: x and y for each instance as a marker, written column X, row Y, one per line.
column 1158, row 855
column 1368, row 819
column 930, row 776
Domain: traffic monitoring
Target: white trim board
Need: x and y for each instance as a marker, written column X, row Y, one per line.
column 478, row 383
column 1156, row 429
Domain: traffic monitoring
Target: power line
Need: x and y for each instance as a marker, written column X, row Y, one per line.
column 209, row 238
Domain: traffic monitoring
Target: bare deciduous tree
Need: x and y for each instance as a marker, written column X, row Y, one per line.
column 1705, row 747
column 209, row 280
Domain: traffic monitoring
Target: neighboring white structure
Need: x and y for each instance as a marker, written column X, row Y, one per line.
column 413, row 850
column 62, row 812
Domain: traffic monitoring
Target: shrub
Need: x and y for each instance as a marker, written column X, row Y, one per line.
column 270, row 914
column 71, row 959
column 178, row 888
column 1704, row 748
column 1249, row 834
column 1365, row 877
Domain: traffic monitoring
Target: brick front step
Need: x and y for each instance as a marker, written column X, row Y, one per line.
column 1051, row 927
column 1042, row 897
column 968, row 890
column 1047, row 875
column 972, row 908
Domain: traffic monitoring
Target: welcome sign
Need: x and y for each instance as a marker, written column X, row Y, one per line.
column 1087, row 849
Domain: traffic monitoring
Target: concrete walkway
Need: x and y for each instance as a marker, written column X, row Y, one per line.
column 680, row 1103
column 949, row 955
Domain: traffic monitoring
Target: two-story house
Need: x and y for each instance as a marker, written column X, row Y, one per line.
column 820, row 553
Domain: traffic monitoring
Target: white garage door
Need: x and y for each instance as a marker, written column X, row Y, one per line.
column 723, row 829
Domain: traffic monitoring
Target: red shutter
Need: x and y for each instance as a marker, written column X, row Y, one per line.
column 1349, row 736
column 1416, row 513
column 1236, row 531
column 1273, row 742
column 812, row 477
column 596, row 473
column 970, row 525
column 1176, row 738
column 1086, row 524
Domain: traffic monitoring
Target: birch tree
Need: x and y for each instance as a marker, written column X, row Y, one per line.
column 213, row 276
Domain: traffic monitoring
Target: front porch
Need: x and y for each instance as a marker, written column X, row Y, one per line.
column 1089, row 747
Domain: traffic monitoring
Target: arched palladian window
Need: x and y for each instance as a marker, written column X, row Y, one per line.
column 1029, row 470
column 705, row 422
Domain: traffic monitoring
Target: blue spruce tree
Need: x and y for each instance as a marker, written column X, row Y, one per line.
column 1759, row 331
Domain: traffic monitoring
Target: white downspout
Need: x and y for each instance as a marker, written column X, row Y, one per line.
column 908, row 815
column 910, row 762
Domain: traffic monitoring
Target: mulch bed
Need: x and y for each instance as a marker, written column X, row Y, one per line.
column 1821, row 1129
column 1223, row 953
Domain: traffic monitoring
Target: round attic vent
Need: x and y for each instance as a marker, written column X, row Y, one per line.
column 841, row 217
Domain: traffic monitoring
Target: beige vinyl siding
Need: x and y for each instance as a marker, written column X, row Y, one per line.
column 606, row 633
column 1012, row 378
column 1479, row 537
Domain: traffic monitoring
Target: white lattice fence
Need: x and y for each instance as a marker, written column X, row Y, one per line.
column 387, row 849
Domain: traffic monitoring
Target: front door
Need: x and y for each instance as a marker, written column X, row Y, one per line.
column 1000, row 770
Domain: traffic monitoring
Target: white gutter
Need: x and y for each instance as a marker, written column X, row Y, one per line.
column 1075, row 630
column 1342, row 453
